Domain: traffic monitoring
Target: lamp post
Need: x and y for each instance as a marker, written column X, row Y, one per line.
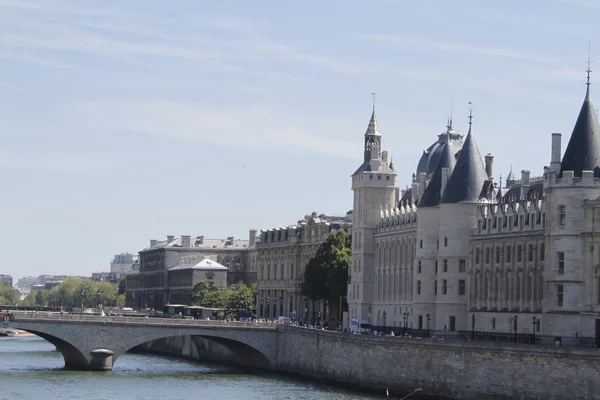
column 511, row 320
column 81, row 294
column 535, row 322
column 472, row 326
column 405, row 316
column 99, row 293
column 384, row 319
column 268, row 307
column 428, row 317
column 305, row 310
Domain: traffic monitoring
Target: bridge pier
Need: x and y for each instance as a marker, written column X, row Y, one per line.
column 102, row 360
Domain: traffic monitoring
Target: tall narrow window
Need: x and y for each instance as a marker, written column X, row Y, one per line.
column 445, row 265
column 462, row 265
column 560, row 295
column 542, row 251
column 508, row 254
column 561, row 263
column 436, row 266
column 462, row 287
column 444, row 287
column 435, row 288
column 445, row 242
column 418, row 287
column 477, row 255
column 562, row 215
column 418, row 267
column 519, row 253
column 487, row 255
column 530, row 253
column 494, row 323
column 421, row 243
column 452, row 321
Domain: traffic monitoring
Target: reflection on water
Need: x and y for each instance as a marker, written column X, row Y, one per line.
column 31, row 368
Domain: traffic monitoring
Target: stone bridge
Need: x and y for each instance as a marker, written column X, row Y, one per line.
column 95, row 343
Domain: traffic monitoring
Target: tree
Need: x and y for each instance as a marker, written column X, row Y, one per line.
column 121, row 300
column 326, row 274
column 41, row 297
column 207, row 294
column 122, row 285
column 239, row 300
column 9, row 294
column 29, row 300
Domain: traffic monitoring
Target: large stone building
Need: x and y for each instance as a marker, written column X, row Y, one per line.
column 163, row 264
column 462, row 251
column 123, row 264
column 281, row 258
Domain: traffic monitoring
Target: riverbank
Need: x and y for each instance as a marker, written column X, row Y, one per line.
column 444, row 370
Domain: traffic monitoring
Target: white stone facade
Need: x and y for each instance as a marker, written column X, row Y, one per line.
column 524, row 257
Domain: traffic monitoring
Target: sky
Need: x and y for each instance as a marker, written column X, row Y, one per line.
column 128, row 120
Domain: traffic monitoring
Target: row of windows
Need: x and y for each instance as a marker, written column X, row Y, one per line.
column 462, row 287
column 462, row 266
column 507, row 253
column 437, row 243
column 520, row 221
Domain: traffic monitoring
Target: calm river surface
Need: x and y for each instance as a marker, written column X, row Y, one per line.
column 30, row 368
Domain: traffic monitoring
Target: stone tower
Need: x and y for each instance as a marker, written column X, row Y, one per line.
column 572, row 259
column 374, row 187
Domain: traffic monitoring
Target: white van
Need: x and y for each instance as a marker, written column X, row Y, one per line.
column 359, row 326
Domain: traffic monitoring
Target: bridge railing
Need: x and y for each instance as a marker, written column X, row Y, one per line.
column 135, row 320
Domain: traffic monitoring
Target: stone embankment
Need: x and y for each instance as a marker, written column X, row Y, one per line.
column 457, row 370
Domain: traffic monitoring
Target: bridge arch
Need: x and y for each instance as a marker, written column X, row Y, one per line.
column 94, row 343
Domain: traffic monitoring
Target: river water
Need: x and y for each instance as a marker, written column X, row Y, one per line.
column 30, row 368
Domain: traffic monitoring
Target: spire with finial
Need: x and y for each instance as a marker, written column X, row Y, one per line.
column 583, row 150
column 589, row 64
column 470, row 116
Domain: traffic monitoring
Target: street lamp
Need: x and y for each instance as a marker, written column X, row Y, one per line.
column 428, row 317
column 384, row 319
column 511, row 320
column 405, row 315
column 99, row 293
column 536, row 323
column 81, row 294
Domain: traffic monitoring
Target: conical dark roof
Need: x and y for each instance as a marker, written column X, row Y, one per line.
column 583, row 150
column 468, row 176
column 433, row 193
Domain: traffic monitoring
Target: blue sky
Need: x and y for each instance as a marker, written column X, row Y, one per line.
column 125, row 120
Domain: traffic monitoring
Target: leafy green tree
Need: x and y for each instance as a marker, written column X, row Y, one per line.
column 41, row 297
column 207, row 294
column 122, row 286
column 29, row 300
column 326, row 274
column 240, row 300
column 121, row 300
column 9, row 294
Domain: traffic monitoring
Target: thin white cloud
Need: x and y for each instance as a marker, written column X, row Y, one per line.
column 480, row 51
column 252, row 127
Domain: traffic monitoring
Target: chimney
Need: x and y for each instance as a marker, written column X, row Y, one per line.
column 445, row 176
column 525, row 175
column 384, row 156
column 422, row 183
column 170, row 238
column 489, row 161
column 555, row 156
column 186, row 241
column 252, row 237
column 200, row 239
column 152, row 242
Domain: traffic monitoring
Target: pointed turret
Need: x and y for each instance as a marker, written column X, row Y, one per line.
column 433, row 192
column 583, row 150
column 467, row 179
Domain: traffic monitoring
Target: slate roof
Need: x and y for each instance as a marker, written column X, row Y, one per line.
column 466, row 181
column 431, row 157
column 433, row 193
column 536, row 190
column 207, row 264
column 583, row 150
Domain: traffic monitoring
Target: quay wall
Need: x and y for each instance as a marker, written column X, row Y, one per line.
column 444, row 369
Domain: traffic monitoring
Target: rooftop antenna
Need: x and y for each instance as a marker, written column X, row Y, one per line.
column 451, row 110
